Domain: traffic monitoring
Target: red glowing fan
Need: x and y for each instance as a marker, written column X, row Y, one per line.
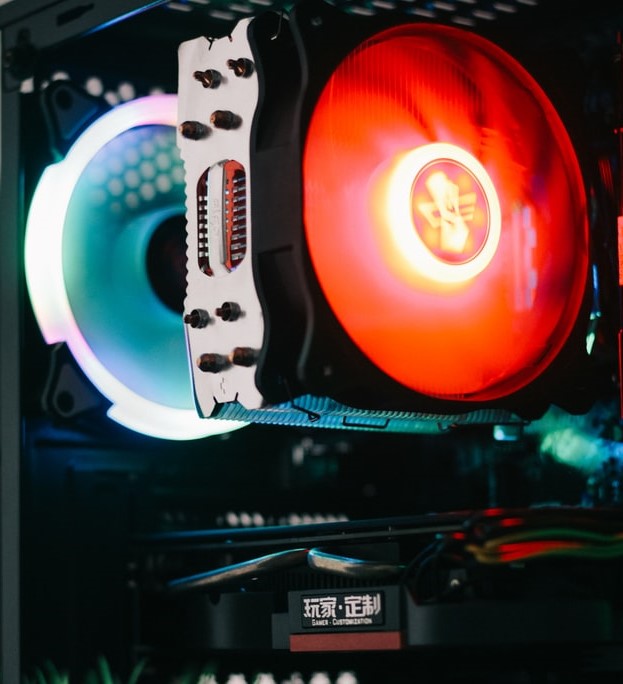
column 444, row 212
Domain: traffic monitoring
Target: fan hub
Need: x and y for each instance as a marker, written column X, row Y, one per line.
column 450, row 211
column 442, row 212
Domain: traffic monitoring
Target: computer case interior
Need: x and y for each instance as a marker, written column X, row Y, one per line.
column 327, row 517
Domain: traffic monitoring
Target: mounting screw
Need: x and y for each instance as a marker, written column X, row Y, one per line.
column 225, row 119
column 210, row 78
column 228, row 311
column 193, row 130
column 197, row 318
column 20, row 60
column 241, row 67
column 244, row 356
column 212, row 363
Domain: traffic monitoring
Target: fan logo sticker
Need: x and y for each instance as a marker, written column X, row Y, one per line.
column 444, row 215
column 343, row 610
column 450, row 211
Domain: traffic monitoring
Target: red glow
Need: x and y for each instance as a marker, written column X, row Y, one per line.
column 512, row 522
column 425, row 318
column 524, row 550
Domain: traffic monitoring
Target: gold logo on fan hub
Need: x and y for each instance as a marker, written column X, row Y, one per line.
column 450, row 211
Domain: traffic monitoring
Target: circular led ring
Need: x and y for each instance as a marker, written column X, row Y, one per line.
column 46, row 283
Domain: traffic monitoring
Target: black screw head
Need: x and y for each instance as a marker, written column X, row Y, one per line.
column 241, row 67
column 197, row 318
column 212, row 363
column 244, row 356
column 193, row 130
column 225, row 119
column 210, row 78
column 228, row 311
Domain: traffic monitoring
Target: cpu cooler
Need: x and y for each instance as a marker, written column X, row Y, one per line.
column 387, row 227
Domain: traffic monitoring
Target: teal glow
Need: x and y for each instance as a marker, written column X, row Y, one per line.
column 128, row 189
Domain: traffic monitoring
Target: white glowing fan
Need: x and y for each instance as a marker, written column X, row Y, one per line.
column 91, row 221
